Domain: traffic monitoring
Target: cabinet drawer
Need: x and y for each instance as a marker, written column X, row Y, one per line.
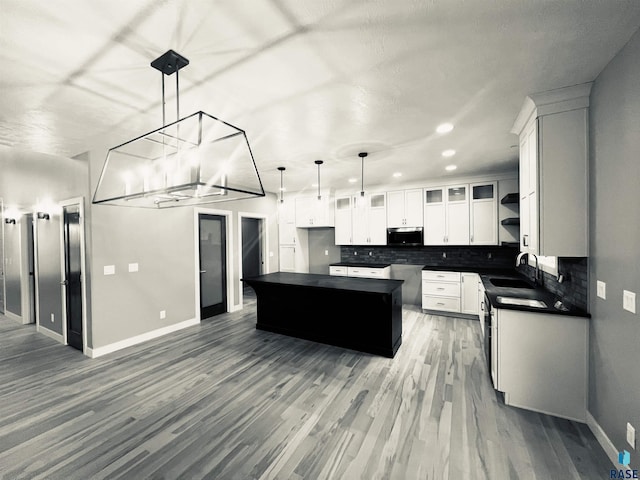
column 441, row 276
column 338, row 271
column 447, row 304
column 441, row 289
column 369, row 272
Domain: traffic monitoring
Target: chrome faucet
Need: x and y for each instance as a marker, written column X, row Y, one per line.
column 519, row 262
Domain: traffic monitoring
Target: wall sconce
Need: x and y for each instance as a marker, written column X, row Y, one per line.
column 10, row 221
column 43, row 216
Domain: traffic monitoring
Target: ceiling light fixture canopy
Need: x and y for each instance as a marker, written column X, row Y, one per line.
column 195, row 160
column 362, row 156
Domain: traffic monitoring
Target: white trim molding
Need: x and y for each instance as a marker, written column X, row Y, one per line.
column 129, row 342
column 49, row 333
column 604, row 441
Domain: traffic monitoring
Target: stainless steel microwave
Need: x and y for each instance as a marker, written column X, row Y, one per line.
column 405, row 236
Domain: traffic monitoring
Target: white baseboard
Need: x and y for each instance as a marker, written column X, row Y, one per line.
column 128, row 342
column 13, row 316
column 48, row 333
column 604, row 441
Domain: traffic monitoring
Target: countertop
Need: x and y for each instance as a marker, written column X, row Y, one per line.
column 360, row 265
column 466, row 268
column 313, row 280
column 537, row 293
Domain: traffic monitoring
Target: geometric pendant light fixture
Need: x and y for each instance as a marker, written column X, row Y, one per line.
column 195, row 160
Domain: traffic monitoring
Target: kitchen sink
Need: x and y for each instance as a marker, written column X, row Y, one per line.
column 509, row 282
column 525, row 302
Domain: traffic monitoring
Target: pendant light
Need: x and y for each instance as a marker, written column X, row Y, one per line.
column 193, row 160
column 318, row 163
column 281, row 169
column 362, row 156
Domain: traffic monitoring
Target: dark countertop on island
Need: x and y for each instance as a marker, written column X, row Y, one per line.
column 314, row 280
column 358, row 313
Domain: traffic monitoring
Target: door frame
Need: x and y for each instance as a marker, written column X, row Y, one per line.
column 264, row 244
column 79, row 201
column 228, row 254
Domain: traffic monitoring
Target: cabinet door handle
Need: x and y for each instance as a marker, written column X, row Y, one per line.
column 440, row 303
column 472, row 238
column 482, row 306
column 440, row 288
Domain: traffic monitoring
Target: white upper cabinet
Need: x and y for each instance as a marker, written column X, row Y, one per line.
column 311, row 212
column 435, row 216
column 484, row 213
column 343, row 220
column 553, row 130
column 370, row 219
column 361, row 220
column 404, row 208
column 446, row 215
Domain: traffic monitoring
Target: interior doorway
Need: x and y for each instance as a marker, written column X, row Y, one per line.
column 212, row 234
column 72, row 238
column 252, row 262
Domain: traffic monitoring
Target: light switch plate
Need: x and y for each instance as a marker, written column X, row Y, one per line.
column 631, row 435
column 629, row 301
column 109, row 269
column 601, row 288
column 163, row 314
column 133, row 267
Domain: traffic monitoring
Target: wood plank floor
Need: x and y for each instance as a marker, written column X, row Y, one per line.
column 222, row 400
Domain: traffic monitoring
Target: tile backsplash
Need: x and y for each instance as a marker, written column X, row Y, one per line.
column 574, row 289
column 481, row 256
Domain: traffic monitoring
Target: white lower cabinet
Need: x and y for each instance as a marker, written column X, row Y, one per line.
column 469, row 293
column 541, row 361
column 360, row 271
column 338, row 271
column 441, row 291
column 450, row 291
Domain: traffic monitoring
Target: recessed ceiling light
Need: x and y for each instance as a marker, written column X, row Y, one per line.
column 353, row 180
column 450, row 168
column 444, row 128
column 397, row 174
column 448, row 153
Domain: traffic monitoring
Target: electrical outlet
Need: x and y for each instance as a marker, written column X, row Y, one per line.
column 326, row 252
column 370, row 254
column 629, row 301
column 631, row 435
column 109, row 269
column 53, row 318
column 163, row 314
column 271, row 254
column 444, row 254
column 601, row 289
column 355, row 253
column 133, row 267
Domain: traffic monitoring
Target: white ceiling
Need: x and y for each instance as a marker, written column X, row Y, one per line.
column 306, row 79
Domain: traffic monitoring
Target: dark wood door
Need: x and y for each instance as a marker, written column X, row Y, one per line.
column 213, row 265
column 73, row 275
column 251, row 248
